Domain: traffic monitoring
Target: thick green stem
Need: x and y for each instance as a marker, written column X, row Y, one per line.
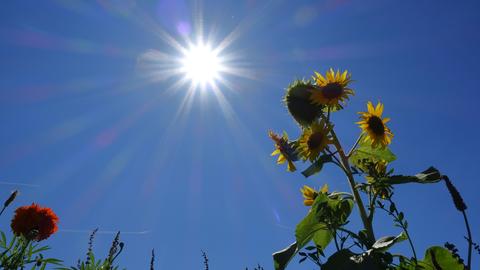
column 346, row 165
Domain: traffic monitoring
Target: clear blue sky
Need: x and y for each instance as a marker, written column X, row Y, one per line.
column 91, row 135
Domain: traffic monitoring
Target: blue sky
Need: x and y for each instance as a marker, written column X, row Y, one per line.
column 89, row 132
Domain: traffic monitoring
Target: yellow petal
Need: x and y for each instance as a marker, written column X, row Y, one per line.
column 379, row 109
column 324, row 189
column 276, row 152
column 308, row 202
column 370, row 107
column 330, row 75
column 320, row 79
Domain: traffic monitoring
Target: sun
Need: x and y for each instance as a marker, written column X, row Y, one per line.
column 201, row 64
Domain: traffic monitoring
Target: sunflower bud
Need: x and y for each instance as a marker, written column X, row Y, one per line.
column 457, row 198
column 10, row 199
column 297, row 100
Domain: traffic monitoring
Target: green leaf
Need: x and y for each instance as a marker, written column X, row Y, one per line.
column 313, row 226
column 365, row 152
column 436, row 258
column 439, row 258
column 317, row 166
column 430, row 175
column 52, row 261
column 384, row 243
column 283, row 257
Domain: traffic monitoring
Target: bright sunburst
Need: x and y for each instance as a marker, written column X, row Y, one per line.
column 201, row 64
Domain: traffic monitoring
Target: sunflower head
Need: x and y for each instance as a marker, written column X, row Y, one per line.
column 332, row 89
column 297, row 100
column 314, row 140
column 309, row 194
column 285, row 150
column 374, row 127
column 34, row 222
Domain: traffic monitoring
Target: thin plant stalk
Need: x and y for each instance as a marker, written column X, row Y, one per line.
column 469, row 259
column 405, row 230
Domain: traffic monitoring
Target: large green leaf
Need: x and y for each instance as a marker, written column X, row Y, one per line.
column 282, row 258
column 439, row 258
column 365, row 152
column 317, row 165
column 436, row 258
column 430, row 175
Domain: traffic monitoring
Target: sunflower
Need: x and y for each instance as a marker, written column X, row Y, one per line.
column 372, row 124
column 297, row 100
column 34, row 222
column 309, row 194
column 285, row 150
column 314, row 140
column 331, row 90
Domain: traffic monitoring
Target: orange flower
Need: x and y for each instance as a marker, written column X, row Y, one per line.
column 34, row 222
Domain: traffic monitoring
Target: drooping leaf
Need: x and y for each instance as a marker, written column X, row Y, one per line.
column 384, row 243
column 430, row 175
column 317, row 165
column 283, row 257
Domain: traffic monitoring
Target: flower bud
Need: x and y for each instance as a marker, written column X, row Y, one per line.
column 457, row 198
column 297, row 100
column 10, row 199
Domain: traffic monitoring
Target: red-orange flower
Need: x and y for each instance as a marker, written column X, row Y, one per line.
column 34, row 222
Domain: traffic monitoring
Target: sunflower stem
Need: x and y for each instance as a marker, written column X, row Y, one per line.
column 358, row 199
column 354, row 146
column 470, row 241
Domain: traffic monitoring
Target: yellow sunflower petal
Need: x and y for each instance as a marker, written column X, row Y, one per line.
column 370, row 108
column 324, row 189
column 308, row 202
column 275, row 152
column 379, row 109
